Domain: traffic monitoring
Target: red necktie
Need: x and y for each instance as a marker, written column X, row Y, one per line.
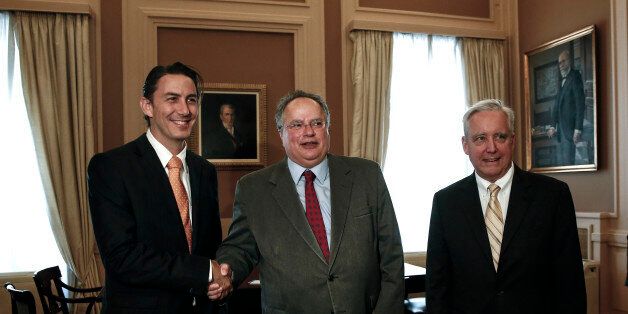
column 313, row 213
column 181, row 196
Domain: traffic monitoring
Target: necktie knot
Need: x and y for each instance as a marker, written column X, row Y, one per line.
column 309, row 176
column 494, row 189
column 174, row 163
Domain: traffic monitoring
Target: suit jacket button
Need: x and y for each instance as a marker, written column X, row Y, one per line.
column 331, row 278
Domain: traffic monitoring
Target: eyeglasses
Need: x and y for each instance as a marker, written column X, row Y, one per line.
column 481, row 139
column 315, row 124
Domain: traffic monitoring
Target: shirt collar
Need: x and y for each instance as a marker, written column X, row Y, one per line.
column 163, row 153
column 321, row 170
column 502, row 182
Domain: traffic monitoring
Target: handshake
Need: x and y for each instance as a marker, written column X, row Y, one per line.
column 221, row 286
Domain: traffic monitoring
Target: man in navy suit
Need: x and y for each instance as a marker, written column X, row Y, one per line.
column 502, row 240
column 155, row 247
column 568, row 111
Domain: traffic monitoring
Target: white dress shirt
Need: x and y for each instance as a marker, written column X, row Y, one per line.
column 505, row 185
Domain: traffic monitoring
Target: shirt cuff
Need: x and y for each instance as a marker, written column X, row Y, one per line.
column 211, row 278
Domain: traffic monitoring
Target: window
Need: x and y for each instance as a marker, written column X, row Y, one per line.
column 424, row 155
column 27, row 241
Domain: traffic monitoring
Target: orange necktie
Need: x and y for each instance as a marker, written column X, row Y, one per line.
column 181, row 196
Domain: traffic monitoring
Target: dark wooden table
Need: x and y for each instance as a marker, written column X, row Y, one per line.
column 414, row 277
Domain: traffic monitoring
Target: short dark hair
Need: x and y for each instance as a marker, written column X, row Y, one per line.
column 285, row 100
column 150, row 84
column 226, row 105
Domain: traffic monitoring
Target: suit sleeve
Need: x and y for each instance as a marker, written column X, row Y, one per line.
column 130, row 261
column 392, row 289
column 555, row 116
column 578, row 94
column 239, row 249
column 438, row 273
column 567, row 260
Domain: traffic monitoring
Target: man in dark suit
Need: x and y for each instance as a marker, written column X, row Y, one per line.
column 568, row 111
column 321, row 228
column 502, row 240
column 154, row 207
column 225, row 140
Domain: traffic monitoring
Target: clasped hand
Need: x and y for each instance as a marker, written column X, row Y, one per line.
column 220, row 287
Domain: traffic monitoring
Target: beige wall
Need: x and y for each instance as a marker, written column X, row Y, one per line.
column 543, row 21
column 598, row 196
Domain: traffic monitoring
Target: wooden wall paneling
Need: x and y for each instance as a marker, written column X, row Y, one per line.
column 619, row 96
column 473, row 8
column 76, row 6
column 612, row 243
column 141, row 18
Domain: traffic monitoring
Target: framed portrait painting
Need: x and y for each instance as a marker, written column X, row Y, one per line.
column 561, row 104
column 231, row 127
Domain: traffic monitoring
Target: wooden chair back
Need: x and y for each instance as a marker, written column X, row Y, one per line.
column 22, row 301
column 51, row 292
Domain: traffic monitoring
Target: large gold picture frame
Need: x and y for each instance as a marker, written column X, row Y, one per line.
column 560, row 113
column 244, row 145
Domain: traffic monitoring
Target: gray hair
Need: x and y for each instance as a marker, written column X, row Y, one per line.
column 488, row 105
column 285, row 100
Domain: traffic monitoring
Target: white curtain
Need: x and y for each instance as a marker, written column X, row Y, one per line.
column 57, row 82
column 27, row 240
column 427, row 101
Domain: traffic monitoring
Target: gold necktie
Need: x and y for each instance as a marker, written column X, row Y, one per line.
column 494, row 224
column 181, row 196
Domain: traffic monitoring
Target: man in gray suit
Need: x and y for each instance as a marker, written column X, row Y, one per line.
column 321, row 228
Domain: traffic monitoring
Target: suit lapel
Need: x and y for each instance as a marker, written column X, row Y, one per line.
column 286, row 196
column 341, row 184
column 195, row 172
column 517, row 207
column 470, row 203
column 157, row 179
column 153, row 169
